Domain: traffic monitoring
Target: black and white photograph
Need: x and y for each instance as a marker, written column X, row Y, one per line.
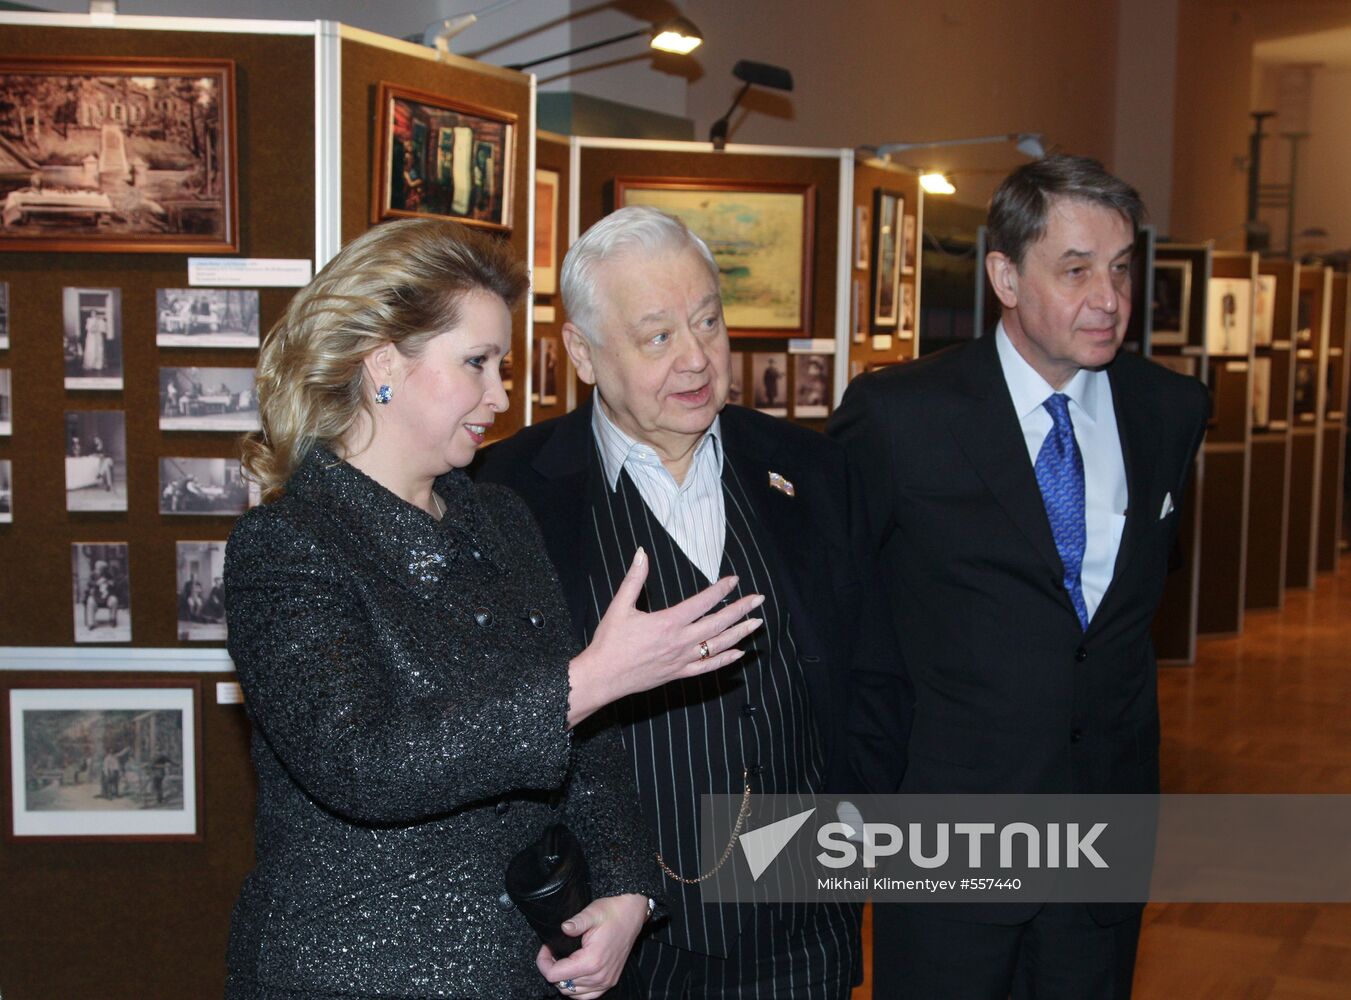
column 6, row 402
column 811, row 386
column 908, row 250
column 1264, row 310
column 1229, row 317
column 206, row 317
column 204, row 486
column 547, row 373
column 112, row 761
column 769, row 383
column 1172, row 301
column 207, row 399
column 96, row 460
column 4, row 315
column 1261, row 392
column 101, row 588
column 907, row 328
column 736, row 379
column 93, row 337
column 201, row 591
column 862, row 235
column 6, row 491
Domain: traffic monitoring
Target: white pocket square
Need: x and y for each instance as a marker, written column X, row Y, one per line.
column 1167, row 506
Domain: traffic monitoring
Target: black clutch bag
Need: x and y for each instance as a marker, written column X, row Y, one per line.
column 549, row 883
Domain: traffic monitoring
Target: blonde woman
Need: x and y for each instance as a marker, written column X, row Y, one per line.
column 407, row 658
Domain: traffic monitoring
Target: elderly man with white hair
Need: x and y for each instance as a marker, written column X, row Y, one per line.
column 656, row 459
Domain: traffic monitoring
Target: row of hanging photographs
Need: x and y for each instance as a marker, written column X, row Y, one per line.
column 100, row 581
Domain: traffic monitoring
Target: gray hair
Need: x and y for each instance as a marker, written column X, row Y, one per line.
column 633, row 228
column 1020, row 207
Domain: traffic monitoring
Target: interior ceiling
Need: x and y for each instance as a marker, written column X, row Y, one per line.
column 1328, row 48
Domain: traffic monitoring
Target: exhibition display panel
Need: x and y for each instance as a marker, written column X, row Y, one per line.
column 1313, row 317
column 1332, row 417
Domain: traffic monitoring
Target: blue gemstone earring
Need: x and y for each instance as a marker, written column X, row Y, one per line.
column 383, row 395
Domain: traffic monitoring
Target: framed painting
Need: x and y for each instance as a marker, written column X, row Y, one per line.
column 1229, row 317
column 118, row 155
column 761, row 236
column 544, row 280
column 444, row 158
column 120, row 761
column 1172, row 301
column 888, row 219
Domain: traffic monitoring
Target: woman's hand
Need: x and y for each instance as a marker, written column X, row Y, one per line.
column 634, row 651
column 607, row 928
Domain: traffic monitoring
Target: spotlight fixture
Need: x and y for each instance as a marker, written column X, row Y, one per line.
column 934, row 182
column 1030, row 144
column 751, row 74
column 677, row 35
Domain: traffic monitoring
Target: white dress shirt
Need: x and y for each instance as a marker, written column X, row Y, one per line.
column 693, row 511
column 1095, row 430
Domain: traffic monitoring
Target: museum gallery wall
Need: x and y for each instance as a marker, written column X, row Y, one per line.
column 128, row 792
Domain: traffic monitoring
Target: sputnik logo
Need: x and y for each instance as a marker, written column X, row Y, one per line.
column 762, row 846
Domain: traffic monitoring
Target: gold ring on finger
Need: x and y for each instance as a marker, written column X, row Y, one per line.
column 704, row 651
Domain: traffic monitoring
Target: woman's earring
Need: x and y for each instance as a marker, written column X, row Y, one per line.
column 383, row 395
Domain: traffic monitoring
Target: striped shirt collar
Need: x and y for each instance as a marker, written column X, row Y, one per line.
column 617, row 449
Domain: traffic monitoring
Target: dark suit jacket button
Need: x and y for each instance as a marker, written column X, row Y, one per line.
column 1076, row 735
column 536, row 618
column 504, row 902
column 1080, row 655
column 476, row 553
column 483, row 617
column 747, row 711
column 502, row 807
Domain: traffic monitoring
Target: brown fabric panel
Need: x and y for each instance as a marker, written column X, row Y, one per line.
column 596, row 197
column 126, row 920
column 363, row 67
column 274, row 92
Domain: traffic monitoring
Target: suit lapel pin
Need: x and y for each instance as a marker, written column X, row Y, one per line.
column 777, row 482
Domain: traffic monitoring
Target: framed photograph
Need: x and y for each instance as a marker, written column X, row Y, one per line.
column 206, row 317
column 6, row 491
column 101, row 587
column 761, row 235
column 1261, row 392
column 544, row 279
column 92, row 318
column 858, row 322
column 6, row 402
column 119, row 761
column 436, row 156
column 1172, row 301
column 200, row 591
column 908, row 248
column 1264, row 310
column 119, row 155
column 862, row 236
column 736, row 379
column 1179, row 363
column 547, row 387
column 207, row 487
column 907, row 294
column 96, row 460
column 888, row 212
column 1229, row 317
column 4, row 315
column 769, row 383
column 207, row 399
column 811, row 386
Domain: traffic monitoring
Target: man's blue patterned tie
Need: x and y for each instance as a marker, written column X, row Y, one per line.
column 1060, row 476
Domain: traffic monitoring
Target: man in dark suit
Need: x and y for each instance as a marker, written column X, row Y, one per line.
column 656, row 460
column 1022, row 495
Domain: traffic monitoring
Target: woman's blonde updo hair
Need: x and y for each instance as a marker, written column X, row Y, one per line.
column 401, row 283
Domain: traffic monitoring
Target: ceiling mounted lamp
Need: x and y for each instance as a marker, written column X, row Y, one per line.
column 439, row 33
column 934, row 182
column 1030, row 144
column 676, row 35
column 750, row 74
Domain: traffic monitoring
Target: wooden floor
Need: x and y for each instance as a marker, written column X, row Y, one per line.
column 1269, row 711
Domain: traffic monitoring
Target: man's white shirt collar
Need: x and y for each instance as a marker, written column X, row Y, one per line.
column 1029, row 390
column 618, row 449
